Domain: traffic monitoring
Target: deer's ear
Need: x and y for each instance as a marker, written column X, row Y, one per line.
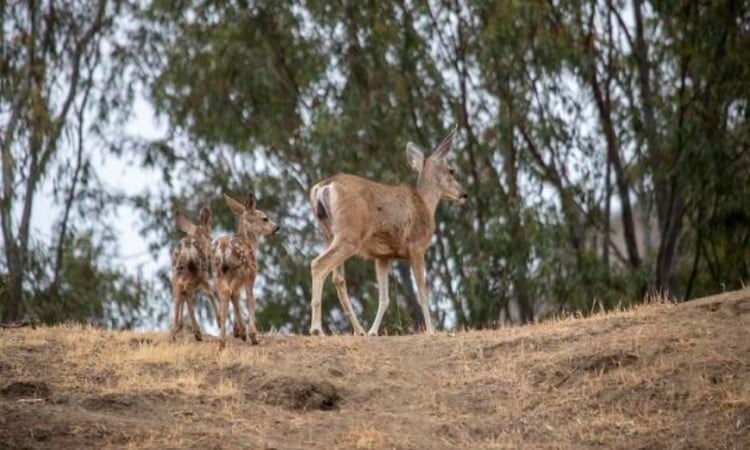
column 236, row 207
column 415, row 156
column 250, row 201
column 442, row 150
column 184, row 224
column 205, row 217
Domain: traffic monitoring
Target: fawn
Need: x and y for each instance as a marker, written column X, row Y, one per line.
column 235, row 267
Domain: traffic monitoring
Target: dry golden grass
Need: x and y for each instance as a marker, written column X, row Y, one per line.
column 656, row 376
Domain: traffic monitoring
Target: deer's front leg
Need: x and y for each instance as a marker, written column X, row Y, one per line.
column 381, row 271
column 252, row 332
column 223, row 309
column 417, row 267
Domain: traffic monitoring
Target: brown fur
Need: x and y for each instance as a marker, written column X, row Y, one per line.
column 190, row 269
column 234, row 266
column 361, row 217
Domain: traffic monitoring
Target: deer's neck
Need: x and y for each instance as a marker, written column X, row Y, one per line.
column 249, row 239
column 430, row 195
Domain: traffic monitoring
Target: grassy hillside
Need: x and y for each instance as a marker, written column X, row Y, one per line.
column 658, row 376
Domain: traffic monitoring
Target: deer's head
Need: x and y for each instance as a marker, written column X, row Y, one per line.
column 202, row 229
column 250, row 219
column 434, row 171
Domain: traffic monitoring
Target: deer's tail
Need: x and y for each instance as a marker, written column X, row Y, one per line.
column 320, row 200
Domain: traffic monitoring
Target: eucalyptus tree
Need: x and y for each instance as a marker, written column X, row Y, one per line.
column 53, row 57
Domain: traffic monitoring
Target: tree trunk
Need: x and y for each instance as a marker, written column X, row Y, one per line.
column 402, row 268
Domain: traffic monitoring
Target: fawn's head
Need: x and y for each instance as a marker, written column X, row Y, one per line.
column 435, row 172
column 250, row 219
column 202, row 229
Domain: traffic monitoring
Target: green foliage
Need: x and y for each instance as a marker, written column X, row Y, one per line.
column 55, row 101
column 605, row 156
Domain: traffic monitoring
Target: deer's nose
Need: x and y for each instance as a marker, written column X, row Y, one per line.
column 464, row 196
column 276, row 230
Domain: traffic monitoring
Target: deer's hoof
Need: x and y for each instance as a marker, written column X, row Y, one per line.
column 316, row 332
column 253, row 339
column 222, row 345
column 198, row 337
column 372, row 333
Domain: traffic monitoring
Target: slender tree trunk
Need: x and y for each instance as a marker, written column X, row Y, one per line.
column 415, row 309
column 520, row 249
column 670, row 206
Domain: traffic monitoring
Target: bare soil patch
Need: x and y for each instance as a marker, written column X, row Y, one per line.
column 297, row 394
column 25, row 389
column 657, row 376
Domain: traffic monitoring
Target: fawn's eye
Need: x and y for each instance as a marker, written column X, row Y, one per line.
column 265, row 219
column 451, row 171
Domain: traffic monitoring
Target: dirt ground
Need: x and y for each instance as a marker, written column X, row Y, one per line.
column 658, row 376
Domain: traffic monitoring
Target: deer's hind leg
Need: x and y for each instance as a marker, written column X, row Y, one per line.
column 335, row 255
column 190, row 299
column 178, row 302
column 223, row 309
column 212, row 298
column 340, row 282
column 238, row 326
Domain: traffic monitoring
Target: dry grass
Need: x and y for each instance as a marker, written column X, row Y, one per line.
column 657, row 376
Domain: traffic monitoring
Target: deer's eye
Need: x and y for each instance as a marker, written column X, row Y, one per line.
column 265, row 219
column 451, row 171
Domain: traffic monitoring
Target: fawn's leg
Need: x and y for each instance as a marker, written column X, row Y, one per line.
column 239, row 325
column 190, row 300
column 250, row 298
column 177, row 319
column 223, row 309
column 212, row 298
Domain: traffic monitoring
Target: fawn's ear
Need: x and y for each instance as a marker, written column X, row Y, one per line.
column 184, row 224
column 250, row 201
column 236, row 207
column 205, row 217
column 415, row 156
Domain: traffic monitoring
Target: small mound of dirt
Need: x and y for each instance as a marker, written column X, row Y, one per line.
column 604, row 363
column 109, row 402
column 298, row 394
column 26, row 389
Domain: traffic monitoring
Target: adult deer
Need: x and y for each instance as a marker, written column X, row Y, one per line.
column 235, row 267
column 190, row 269
column 361, row 217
